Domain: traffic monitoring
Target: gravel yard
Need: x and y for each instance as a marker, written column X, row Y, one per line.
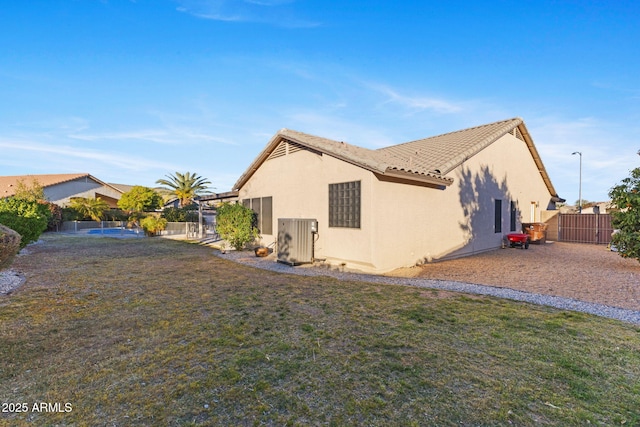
column 590, row 273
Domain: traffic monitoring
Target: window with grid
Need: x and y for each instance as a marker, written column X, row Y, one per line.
column 344, row 204
column 263, row 207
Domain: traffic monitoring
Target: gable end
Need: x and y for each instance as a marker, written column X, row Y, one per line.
column 516, row 132
column 286, row 147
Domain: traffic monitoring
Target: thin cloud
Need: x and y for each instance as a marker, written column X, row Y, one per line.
column 167, row 137
column 416, row 103
column 20, row 148
column 280, row 13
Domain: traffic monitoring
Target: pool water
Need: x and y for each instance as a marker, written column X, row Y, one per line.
column 113, row 231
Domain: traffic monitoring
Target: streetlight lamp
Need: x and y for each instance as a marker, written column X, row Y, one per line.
column 580, row 185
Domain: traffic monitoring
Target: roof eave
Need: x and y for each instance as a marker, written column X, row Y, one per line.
column 283, row 135
column 418, row 177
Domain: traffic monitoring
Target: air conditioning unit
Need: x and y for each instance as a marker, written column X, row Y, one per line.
column 295, row 240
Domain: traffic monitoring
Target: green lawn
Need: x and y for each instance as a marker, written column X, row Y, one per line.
column 159, row 332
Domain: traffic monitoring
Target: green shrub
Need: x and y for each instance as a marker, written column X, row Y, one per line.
column 180, row 214
column 626, row 197
column 9, row 245
column 152, row 225
column 27, row 218
column 236, row 224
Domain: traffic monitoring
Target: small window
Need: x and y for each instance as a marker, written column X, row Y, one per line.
column 513, row 212
column 266, row 216
column 344, row 204
column 498, row 216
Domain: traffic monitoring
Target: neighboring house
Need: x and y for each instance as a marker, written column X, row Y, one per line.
column 442, row 197
column 597, row 207
column 61, row 188
column 589, row 208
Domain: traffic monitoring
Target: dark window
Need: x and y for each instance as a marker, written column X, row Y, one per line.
column 498, row 216
column 513, row 216
column 344, row 204
column 267, row 216
column 263, row 207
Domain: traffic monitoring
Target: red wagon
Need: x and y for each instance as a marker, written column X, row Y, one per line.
column 518, row 239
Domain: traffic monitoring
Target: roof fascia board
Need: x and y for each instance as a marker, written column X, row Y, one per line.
column 428, row 179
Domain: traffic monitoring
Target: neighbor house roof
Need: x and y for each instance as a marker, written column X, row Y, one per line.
column 427, row 160
column 123, row 188
column 8, row 184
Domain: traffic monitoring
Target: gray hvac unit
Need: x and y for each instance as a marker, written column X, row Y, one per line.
column 295, row 240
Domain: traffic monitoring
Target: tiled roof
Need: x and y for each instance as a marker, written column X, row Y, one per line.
column 347, row 152
column 443, row 153
column 8, row 183
column 428, row 159
column 121, row 187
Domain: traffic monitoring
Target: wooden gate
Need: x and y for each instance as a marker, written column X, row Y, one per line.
column 585, row 228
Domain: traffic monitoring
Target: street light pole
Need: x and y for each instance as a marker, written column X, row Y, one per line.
column 580, row 184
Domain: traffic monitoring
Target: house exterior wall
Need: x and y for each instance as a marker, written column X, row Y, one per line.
column 417, row 224
column 299, row 185
column 62, row 193
column 404, row 224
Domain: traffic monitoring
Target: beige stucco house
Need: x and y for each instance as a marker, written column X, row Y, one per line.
column 442, row 197
column 61, row 188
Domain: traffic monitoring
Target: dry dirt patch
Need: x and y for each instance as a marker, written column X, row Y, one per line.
column 589, row 273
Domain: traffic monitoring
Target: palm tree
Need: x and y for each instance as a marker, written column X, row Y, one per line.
column 183, row 186
column 92, row 208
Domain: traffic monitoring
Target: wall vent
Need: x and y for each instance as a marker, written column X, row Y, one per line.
column 287, row 147
column 516, row 132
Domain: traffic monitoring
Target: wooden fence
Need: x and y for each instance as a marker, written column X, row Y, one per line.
column 582, row 228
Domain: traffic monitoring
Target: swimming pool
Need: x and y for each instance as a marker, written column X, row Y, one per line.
column 115, row 232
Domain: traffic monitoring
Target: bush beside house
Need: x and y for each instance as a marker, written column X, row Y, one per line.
column 625, row 197
column 28, row 218
column 9, row 245
column 236, row 224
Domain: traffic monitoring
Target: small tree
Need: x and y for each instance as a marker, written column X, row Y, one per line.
column 626, row 197
column 236, row 224
column 184, row 186
column 90, row 208
column 140, row 199
column 33, row 192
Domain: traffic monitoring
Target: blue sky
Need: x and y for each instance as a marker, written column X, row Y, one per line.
column 131, row 91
